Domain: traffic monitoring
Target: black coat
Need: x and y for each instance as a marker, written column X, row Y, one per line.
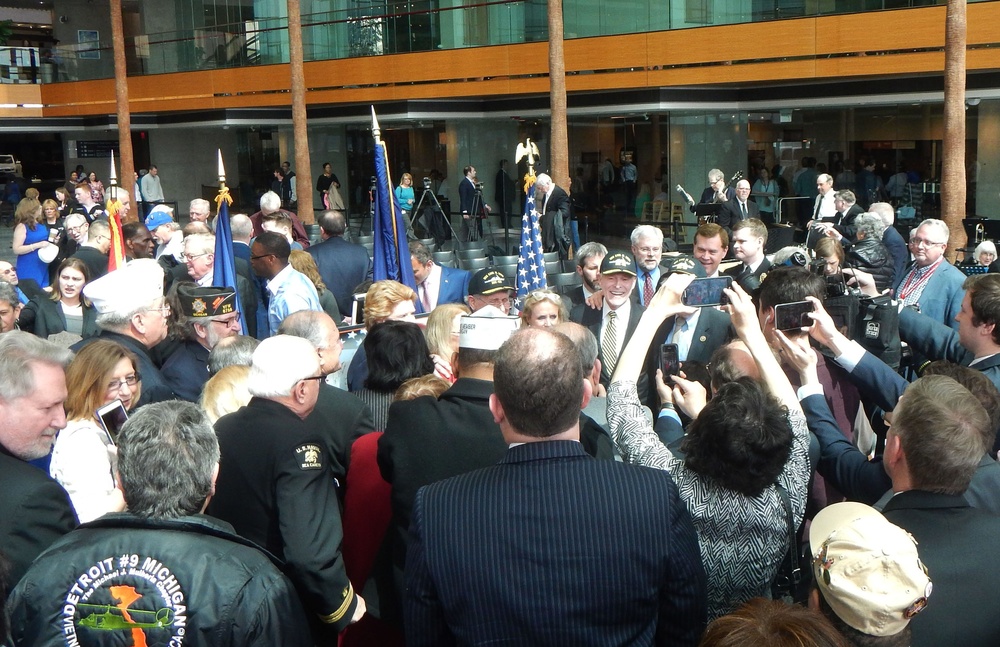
column 554, row 220
column 342, row 266
column 48, row 318
column 34, row 512
column 730, row 213
column 186, row 370
column 592, row 319
column 234, row 592
column 339, row 419
column 870, row 255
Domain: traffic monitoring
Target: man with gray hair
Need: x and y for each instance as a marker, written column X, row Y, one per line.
column 716, row 191
column 647, row 247
column 343, row 265
column 167, row 572
column 131, row 311
column 340, row 417
column 34, row 509
column 232, row 351
column 892, row 240
column 10, row 307
column 868, row 253
column 275, row 485
column 199, row 210
column 588, row 266
column 932, row 283
column 553, row 204
column 271, row 203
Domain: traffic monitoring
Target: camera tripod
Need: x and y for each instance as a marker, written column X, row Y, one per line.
column 478, row 215
column 430, row 221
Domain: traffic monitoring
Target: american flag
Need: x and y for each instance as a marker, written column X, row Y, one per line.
column 530, row 262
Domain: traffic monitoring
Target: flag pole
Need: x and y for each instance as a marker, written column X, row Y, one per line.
column 113, row 207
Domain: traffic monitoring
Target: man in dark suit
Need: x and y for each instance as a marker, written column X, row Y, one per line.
column 34, row 509
column 716, row 192
column 342, row 265
column 892, row 240
column 615, row 322
column 747, row 242
column 552, row 202
column 642, row 546
column 739, row 209
column 932, row 450
column 27, row 289
column 436, row 284
column 467, row 204
column 339, row 418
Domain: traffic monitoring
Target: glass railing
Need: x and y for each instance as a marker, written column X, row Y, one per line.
column 371, row 28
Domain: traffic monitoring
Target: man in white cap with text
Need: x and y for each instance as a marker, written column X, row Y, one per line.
column 131, row 311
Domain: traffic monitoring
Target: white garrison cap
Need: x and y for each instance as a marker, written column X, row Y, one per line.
column 127, row 289
column 486, row 329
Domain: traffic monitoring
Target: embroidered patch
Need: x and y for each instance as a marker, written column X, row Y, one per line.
column 309, row 457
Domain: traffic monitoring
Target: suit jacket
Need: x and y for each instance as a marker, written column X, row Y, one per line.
column 708, row 196
column 466, row 195
column 555, row 220
column 943, row 294
column 49, row 319
column 899, row 251
column 30, row 288
column 844, row 222
column 937, row 341
column 34, row 512
column 599, row 570
column 453, row 289
column 592, row 319
column 730, row 213
column 339, row 419
column 954, row 543
column 749, row 281
column 343, row 266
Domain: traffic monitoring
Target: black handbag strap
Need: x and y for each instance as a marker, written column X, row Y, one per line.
column 793, row 538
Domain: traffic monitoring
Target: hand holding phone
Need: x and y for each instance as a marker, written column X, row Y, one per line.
column 793, row 316
column 669, row 362
column 112, row 416
column 707, row 292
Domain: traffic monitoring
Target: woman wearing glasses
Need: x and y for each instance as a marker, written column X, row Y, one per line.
column 83, row 457
column 65, row 309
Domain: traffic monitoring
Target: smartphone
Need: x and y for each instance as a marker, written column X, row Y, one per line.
column 112, row 416
column 792, row 316
column 358, row 309
column 707, row 292
column 669, row 362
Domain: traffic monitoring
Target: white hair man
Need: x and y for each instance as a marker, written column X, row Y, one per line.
column 275, row 485
column 339, row 417
column 120, row 194
column 553, row 204
column 647, row 247
column 34, row 509
column 270, row 203
column 931, row 282
column 131, row 311
column 199, row 210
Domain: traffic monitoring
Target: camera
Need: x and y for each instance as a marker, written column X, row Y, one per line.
column 479, row 186
column 427, row 183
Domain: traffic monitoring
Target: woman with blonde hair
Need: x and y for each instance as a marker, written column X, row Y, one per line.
column 83, row 455
column 29, row 239
column 404, row 193
column 544, row 309
column 226, row 391
column 305, row 263
column 442, row 337
column 385, row 301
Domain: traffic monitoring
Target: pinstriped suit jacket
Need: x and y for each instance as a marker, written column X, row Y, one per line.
column 553, row 547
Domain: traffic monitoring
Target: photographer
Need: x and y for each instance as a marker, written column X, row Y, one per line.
column 469, row 189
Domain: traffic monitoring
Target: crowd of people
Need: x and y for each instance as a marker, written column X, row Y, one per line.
column 189, row 461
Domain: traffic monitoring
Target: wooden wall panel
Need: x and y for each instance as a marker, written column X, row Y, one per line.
column 709, row 55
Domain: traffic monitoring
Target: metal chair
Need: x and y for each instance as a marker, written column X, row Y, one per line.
column 472, row 244
column 569, row 265
column 550, row 256
column 471, row 253
column 361, row 240
column 473, row 264
column 553, row 267
column 564, row 282
column 443, row 257
column 510, row 271
column 505, row 260
column 450, row 262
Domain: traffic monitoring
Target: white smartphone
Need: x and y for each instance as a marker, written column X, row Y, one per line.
column 112, row 416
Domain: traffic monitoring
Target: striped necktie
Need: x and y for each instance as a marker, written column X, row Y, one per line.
column 609, row 344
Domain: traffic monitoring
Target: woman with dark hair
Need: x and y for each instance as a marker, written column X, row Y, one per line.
column 66, row 309
column 396, row 352
column 746, row 466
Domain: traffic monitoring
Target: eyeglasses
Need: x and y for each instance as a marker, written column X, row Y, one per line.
column 497, row 302
column 163, row 310
column 650, row 250
column 228, row 322
column 920, row 242
column 254, row 258
column 190, row 257
column 313, row 377
column 128, row 380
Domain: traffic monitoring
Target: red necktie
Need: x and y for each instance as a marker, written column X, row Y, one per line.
column 647, row 290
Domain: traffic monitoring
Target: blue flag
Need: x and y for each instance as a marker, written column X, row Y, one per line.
column 225, row 259
column 391, row 254
column 530, row 262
